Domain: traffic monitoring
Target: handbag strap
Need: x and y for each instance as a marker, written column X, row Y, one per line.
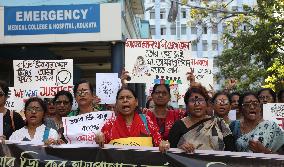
column 142, row 116
column 46, row 133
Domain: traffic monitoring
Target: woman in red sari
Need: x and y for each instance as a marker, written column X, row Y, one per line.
column 128, row 122
column 161, row 116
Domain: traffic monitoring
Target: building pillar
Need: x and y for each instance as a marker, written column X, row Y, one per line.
column 117, row 57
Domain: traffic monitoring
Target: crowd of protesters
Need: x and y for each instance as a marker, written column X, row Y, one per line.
column 191, row 128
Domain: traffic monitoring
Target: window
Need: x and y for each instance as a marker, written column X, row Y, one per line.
column 214, row 29
column 153, row 0
column 163, row 31
column 183, row 29
column 162, row 14
column 193, row 29
column 204, row 45
column 152, row 14
column 193, row 46
column 245, row 28
column 214, row 45
column 162, row 0
column 153, row 30
column 204, row 30
column 173, row 29
column 183, row 13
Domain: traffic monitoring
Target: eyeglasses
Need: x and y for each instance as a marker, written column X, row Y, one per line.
column 83, row 92
column 222, row 101
column 264, row 97
column 252, row 103
column 49, row 101
column 121, row 98
column 195, row 100
column 2, row 94
column 235, row 101
column 34, row 109
column 161, row 93
column 60, row 102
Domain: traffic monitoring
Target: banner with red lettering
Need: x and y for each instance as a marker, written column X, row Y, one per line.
column 41, row 78
column 82, row 129
column 274, row 112
column 161, row 61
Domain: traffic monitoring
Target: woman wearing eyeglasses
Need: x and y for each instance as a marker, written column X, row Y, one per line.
column 266, row 95
column 83, row 92
column 253, row 134
column 198, row 130
column 11, row 120
column 63, row 101
column 35, row 131
column 222, row 106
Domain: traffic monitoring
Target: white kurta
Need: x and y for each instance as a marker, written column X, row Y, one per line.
column 23, row 135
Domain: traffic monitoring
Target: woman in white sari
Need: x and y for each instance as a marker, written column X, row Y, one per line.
column 253, row 134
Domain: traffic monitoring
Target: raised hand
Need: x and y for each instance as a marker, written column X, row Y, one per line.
column 124, row 77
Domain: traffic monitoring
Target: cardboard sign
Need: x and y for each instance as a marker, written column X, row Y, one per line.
column 274, row 112
column 107, row 85
column 82, row 129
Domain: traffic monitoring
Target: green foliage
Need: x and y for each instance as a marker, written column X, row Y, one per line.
column 257, row 53
column 275, row 80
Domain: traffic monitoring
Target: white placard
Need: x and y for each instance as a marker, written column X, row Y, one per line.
column 43, row 78
column 161, row 61
column 232, row 115
column 13, row 103
column 274, row 112
column 106, row 87
column 82, row 129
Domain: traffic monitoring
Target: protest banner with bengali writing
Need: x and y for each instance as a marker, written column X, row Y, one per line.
column 14, row 155
column 161, row 61
column 43, row 78
column 274, row 112
column 83, row 128
column 164, row 60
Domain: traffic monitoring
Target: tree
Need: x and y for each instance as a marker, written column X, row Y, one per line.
column 257, row 37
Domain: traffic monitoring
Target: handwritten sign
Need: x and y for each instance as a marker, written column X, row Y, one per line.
column 274, row 112
column 42, row 78
column 82, row 129
column 165, row 61
column 107, row 87
column 13, row 103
